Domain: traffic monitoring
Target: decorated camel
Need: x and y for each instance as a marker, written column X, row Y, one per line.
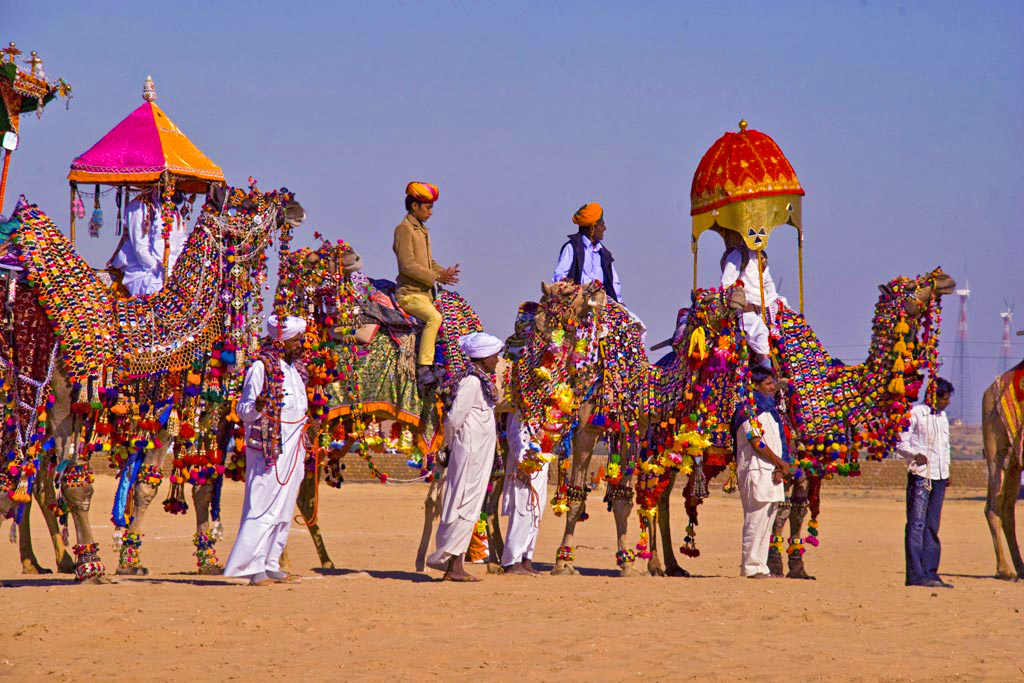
column 143, row 380
column 1002, row 415
column 684, row 407
column 361, row 352
column 582, row 375
column 832, row 411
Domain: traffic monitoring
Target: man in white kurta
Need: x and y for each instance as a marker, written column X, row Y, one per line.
column 734, row 269
column 271, row 490
column 925, row 446
column 760, row 472
column 470, row 434
column 522, row 500
column 140, row 256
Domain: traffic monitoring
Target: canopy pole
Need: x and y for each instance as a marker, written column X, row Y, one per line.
column 3, row 178
column 800, row 266
column 695, row 269
column 72, row 205
column 760, row 281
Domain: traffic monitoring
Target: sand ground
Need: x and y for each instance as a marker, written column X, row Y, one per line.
column 376, row 619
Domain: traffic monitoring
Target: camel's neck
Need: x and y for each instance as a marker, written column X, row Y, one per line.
column 826, row 399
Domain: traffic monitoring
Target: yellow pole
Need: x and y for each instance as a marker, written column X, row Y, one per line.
column 72, row 205
column 695, row 266
column 800, row 266
column 760, row 281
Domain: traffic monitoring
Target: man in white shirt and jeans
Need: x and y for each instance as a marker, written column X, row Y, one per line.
column 925, row 446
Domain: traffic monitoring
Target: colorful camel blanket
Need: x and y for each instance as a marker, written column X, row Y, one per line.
column 1010, row 387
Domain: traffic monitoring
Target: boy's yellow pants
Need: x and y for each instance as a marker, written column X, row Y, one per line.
column 419, row 305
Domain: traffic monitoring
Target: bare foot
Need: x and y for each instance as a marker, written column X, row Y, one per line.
column 519, row 569
column 457, row 572
column 528, row 566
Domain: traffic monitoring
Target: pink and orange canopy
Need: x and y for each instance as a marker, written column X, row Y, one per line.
column 140, row 149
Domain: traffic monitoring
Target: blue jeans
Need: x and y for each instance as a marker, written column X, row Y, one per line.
column 921, row 538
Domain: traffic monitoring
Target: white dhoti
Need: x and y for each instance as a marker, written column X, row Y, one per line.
column 469, row 430
column 758, row 493
column 270, row 492
column 756, row 331
column 522, row 499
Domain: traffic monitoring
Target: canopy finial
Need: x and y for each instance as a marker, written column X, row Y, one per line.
column 743, row 125
column 149, row 90
column 11, row 51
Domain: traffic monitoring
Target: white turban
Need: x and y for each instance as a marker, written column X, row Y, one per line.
column 479, row 345
column 290, row 328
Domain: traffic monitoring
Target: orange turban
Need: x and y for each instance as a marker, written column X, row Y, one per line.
column 425, row 193
column 588, row 215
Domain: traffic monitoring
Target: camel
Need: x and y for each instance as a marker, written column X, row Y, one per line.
column 864, row 400
column 608, row 390
column 1001, row 412
column 358, row 327
column 129, row 346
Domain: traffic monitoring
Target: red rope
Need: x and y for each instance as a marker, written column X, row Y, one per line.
column 306, row 521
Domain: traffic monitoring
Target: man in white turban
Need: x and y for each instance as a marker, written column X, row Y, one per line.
column 273, row 408
column 140, row 254
column 469, row 433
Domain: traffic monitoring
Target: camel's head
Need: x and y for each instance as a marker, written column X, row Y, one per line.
column 915, row 295
column 241, row 209
column 564, row 301
column 713, row 306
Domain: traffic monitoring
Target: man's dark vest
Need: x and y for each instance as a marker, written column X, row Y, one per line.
column 576, row 269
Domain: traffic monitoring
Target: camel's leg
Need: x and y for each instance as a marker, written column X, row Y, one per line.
column 208, row 531
column 621, row 509
column 1011, row 487
column 672, row 566
column 495, row 543
column 583, row 450
column 431, row 511
column 29, row 563
column 129, row 562
column 46, row 496
column 996, row 445
column 782, row 519
column 306, row 502
column 88, row 567
column 797, row 528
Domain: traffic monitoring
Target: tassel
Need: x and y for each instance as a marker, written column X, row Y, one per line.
column 896, row 386
column 900, row 347
column 119, row 200
column 698, row 345
column 78, row 207
column 902, row 327
column 96, row 222
column 898, row 365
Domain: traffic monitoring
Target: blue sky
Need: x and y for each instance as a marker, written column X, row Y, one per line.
column 902, row 120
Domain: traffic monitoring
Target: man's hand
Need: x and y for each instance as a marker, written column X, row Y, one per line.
column 921, row 460
column 782, row 468
column 778, row 476
column 260, row 404
column 449, row 276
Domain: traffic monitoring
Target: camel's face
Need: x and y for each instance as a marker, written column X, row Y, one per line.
column 917, row 295
column 293, row 213
column 711, row 306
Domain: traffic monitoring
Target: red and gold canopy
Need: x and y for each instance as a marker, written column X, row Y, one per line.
column 744, row 183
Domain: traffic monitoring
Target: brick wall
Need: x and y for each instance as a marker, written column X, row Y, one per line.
column 887, row 474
